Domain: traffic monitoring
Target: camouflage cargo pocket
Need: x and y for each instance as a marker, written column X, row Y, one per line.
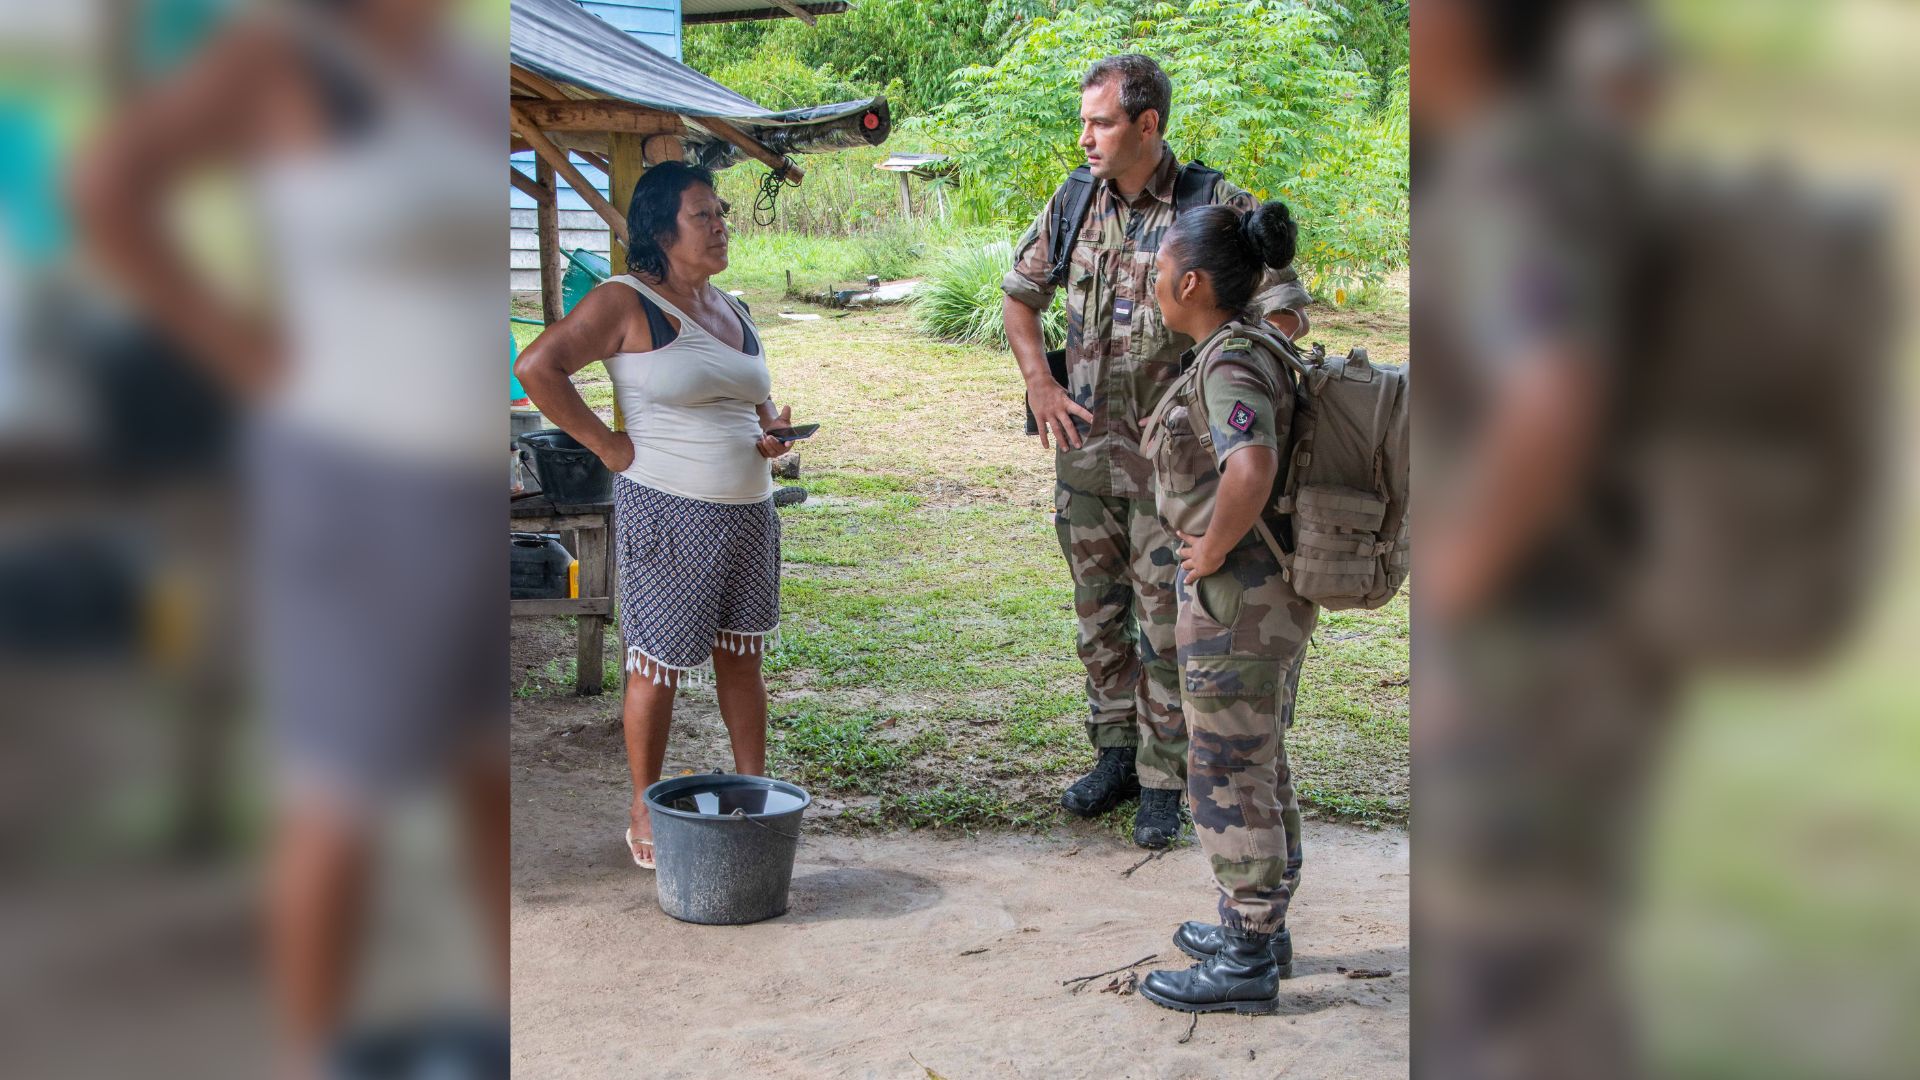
column 1180, row 467
column 1217, row 599
column 1230, row 702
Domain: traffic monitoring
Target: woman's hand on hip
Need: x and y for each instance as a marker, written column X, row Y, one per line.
column 617, row 454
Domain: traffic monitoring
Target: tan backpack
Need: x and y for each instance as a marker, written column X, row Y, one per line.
column 1343, row 496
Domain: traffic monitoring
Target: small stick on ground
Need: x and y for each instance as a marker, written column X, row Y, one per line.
column 973, row 952
column 1085, row 979
column 1128, row 872
column 1194, row 1023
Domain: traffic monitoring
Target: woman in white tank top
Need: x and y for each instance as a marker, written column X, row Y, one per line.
column 696, row 538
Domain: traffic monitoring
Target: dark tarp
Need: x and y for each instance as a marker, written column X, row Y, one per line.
column 564, row 42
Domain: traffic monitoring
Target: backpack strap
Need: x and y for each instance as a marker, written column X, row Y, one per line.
column 1070, row 204
column 1194, row 186
column 1197, row 414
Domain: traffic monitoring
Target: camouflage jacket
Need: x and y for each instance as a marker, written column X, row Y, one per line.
column 1120, row 356
column 1247, row 404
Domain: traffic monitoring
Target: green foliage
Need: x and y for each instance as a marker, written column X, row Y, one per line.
column 838, row 752
column 780, row 81
column 907, row 49
column 960, row 300
column 1263, row 90
column 1377, row 30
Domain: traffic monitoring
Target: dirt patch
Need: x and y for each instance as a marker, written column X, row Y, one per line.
column 912, row 951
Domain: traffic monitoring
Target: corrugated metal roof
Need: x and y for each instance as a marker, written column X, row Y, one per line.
column 560, row 40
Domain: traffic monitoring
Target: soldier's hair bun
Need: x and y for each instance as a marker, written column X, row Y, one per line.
column 1232, row 248
column 1271, row 234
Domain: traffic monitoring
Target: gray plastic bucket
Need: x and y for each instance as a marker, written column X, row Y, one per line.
column 723, row 846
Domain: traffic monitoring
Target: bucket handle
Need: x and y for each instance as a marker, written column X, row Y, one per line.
column 741, row 813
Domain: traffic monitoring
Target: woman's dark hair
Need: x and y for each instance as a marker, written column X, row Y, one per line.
column 1233, row 249
column 653, row 217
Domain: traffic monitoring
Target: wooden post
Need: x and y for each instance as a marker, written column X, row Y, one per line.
column 906, row 197
column 627, row 160
column 589, row 678
column 551, row 301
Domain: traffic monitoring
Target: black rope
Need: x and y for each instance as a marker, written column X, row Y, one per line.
column 770, row 186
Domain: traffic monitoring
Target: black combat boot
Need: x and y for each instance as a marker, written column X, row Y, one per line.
column 1157, row 823
column 1201, row 940
column 1112, row 781
column 1241, row 978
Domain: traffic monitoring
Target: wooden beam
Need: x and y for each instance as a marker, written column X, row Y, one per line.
column 797, row 12
column 659, row 148
column 833, row 8
column 548, row 216
column 586, row 605
column 539, row 85
column 540, row 195
column 598, row 161
column 557, row 158
column 600, row 115
column 751, row 148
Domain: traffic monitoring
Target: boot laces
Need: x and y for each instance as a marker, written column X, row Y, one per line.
column 1113, row 762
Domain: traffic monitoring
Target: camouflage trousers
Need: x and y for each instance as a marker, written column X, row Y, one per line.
column 1242, row 635
column 1121, row 557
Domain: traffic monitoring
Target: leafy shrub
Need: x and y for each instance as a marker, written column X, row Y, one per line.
column 780, row 81
column 907, row 49
column 1263, row 90
column 960, row 298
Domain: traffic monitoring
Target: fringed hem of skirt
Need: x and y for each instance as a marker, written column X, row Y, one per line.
column 701, row 674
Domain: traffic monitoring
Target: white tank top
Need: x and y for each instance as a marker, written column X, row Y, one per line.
column 384, row 278
column 692, row 410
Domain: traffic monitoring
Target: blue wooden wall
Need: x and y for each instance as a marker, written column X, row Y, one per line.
column 655, row 22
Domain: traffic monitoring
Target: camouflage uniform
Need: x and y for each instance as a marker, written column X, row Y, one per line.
column 1241, row 636
column 1120, row 358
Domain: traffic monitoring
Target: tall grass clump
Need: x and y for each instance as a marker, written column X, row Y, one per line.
column 960, row 299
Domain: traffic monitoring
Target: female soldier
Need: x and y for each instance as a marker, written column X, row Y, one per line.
column 697, row 542
column 1215, row 440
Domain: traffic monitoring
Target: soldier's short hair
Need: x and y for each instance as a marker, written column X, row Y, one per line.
column 1143, row 85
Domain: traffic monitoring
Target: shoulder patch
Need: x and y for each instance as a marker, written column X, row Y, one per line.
column 1241, row 418
column 1236, row 343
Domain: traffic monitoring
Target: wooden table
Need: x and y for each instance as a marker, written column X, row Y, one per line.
column 591, row 526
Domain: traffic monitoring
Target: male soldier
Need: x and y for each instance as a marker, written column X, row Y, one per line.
column 1120, row 357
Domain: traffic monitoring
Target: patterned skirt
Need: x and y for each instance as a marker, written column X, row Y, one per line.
column 695, row 578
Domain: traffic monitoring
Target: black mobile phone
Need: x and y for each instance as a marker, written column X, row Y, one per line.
column 793, row 434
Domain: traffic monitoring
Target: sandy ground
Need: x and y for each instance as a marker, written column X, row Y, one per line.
column 911, row 953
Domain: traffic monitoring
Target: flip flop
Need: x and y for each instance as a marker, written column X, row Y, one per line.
column 642, row 863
